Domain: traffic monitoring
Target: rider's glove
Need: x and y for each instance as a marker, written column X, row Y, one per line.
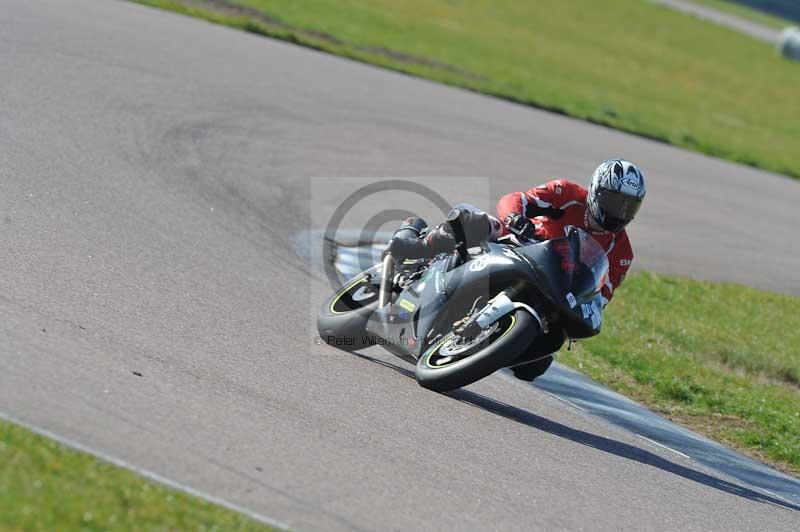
column 436, row 241
column 440, row 240
column 406, row 248
column 520, row 225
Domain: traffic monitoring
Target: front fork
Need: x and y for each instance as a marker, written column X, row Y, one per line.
column 497, row 307
column 387, row 272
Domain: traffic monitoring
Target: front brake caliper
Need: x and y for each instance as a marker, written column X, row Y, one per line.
column 497, row 307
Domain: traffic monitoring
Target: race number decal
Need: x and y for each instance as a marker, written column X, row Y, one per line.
column 592, row 311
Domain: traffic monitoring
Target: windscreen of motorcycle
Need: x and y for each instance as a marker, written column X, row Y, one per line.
column 575, row 268
column 593, row 264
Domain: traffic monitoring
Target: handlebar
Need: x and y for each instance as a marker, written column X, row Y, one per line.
column 454, row 219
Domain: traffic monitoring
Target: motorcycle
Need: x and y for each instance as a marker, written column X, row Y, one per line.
column 461, row 316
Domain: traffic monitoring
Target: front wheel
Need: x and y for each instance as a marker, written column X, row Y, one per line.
column 453, row 361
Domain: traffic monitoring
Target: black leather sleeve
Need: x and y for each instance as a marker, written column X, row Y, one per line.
column 532, row 210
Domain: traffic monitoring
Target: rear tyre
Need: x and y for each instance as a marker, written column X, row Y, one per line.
column 343, row 318
column 452, row 362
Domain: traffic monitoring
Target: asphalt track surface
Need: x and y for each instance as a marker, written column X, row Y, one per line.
column 153, row 168
column 581, row 392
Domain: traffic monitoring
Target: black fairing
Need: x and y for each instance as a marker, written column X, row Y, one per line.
column 570, row 272
column 563, row 275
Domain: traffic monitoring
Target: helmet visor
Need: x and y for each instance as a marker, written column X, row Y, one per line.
column 618, row 209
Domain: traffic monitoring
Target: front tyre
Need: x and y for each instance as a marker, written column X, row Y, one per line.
column 342, row 320
column 453, row 362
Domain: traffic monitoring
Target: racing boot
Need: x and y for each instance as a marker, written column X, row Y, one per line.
column 528, row 371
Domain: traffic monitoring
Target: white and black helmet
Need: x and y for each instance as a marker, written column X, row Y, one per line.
column 616, row 192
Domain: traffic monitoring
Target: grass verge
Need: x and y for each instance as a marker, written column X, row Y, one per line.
column 627, row 64
column 721, row 359
column 46, row 486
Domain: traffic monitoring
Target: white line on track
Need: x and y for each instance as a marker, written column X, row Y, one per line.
column 155, row 477
column 664, row 446
column 768, row 492
column 579, row 407
column 773, row 494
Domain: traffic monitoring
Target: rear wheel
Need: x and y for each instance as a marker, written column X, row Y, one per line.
column 454, row 361
column 342, row 320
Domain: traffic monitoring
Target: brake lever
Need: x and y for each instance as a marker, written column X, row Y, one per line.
column 521, row 236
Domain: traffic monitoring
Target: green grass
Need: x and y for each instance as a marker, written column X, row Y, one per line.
column 628, row 64
column 722, row 359
column 46, row 486
column 753, row 15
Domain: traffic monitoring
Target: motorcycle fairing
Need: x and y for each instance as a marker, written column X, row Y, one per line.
column 567, row 272
column 405, row 323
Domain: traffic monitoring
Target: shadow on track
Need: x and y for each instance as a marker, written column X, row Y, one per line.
column 617, row 448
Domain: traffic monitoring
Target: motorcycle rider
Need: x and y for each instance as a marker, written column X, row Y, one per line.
column 615, row 193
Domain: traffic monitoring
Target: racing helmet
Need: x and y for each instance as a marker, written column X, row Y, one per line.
column 615, row 194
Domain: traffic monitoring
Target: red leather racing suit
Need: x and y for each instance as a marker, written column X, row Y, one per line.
column 559, row 203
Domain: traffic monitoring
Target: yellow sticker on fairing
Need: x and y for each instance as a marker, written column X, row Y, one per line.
column 407, row 305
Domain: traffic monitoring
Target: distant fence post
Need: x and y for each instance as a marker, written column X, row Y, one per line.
column 789, row 44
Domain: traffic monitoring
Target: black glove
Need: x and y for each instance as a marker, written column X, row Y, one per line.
column 474, row 226
column 406, row 248
column 440, row 240
column 520, row 225
column 437, row 240
column 405, row 242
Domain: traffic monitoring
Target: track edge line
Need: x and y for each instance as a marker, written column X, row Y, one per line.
column 146, row 473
